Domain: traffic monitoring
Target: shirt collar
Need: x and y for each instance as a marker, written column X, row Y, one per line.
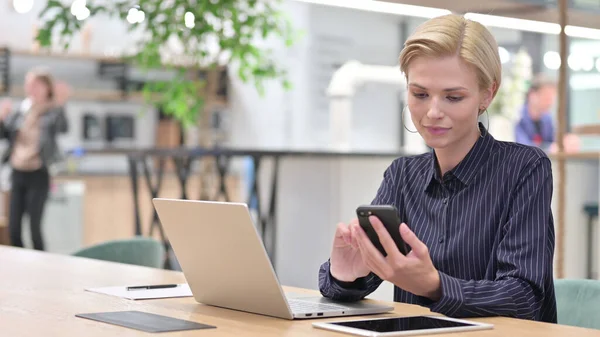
column 469, row 166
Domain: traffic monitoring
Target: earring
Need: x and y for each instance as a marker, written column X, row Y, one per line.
column 487, row 115
column 404, row 125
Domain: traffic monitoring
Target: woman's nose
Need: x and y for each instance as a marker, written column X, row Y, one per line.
column 434, row 111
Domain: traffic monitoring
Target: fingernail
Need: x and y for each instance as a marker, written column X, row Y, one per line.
column 404, row 228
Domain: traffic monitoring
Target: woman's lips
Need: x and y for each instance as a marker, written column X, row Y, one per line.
column 436, row 130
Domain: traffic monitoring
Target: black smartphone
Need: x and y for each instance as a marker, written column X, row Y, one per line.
column 388, row 215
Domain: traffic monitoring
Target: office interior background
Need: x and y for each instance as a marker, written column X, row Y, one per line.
column 301, row 164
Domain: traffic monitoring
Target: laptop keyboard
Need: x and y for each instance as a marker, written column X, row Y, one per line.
column 300, row 306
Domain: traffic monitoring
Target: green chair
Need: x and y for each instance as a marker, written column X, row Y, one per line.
column 578, row 302
column 141, row 251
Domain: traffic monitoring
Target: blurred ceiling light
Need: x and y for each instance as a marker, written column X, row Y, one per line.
column 383, row 7
column 190, row 19
column 79, row 9
column 141, row 16
column 574, row 62
column 504, row 55
column 533, row 26
column 135, row 16
column 22, row 6
column 83, row 14
column 552, row 60
column 513, row 23
column 77, row 6
column 587, row 63
column 132, row 16
column 583, row 32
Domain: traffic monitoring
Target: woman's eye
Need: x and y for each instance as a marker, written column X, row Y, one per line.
column 419, row 95
column 454, row 98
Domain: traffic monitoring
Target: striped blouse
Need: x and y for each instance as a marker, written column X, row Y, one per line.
column 488, row 225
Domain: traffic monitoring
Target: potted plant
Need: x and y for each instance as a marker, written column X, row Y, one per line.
column 208, row 33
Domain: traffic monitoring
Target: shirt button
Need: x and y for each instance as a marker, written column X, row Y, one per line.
column 445, row 201
column 441, row 240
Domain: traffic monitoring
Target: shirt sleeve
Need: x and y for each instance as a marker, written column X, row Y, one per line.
column 525, row 257
column 387, row 194
column 346, row 291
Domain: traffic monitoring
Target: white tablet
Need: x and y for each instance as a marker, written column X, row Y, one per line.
column 403, row 326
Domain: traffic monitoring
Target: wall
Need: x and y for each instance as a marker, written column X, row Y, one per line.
column 270, row 120
column 300, row 118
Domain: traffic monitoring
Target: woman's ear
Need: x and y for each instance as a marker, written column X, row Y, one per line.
column 489, row 94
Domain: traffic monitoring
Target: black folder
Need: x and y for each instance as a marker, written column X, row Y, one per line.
column 145, row 321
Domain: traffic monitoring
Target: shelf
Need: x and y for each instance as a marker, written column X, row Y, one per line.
column 88, row 57
column 109, row 96
column 215, row 90
column 66, row 56
column 91, row 95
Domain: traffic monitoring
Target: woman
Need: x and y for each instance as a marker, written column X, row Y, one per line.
column 31, row 131
column 475, row 211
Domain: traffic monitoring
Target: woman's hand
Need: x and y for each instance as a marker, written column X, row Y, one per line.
column 346, row 263
column 414, row 272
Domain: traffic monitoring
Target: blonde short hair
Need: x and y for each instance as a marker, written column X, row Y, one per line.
column 454, row 35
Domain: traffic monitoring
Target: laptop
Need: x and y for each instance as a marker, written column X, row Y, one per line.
column 226, row 265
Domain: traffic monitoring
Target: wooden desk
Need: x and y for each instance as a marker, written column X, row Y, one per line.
column 40, row 294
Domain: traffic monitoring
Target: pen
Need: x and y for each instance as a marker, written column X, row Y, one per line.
column 159, row 286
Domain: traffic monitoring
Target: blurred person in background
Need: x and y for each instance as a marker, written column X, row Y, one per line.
column 31, row 131
column 536, row 126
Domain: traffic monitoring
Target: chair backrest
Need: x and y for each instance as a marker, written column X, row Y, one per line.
column 578, row 302
column 141, row 251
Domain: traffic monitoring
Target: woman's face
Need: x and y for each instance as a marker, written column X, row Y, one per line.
column 444, row 99
column 36, row 89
